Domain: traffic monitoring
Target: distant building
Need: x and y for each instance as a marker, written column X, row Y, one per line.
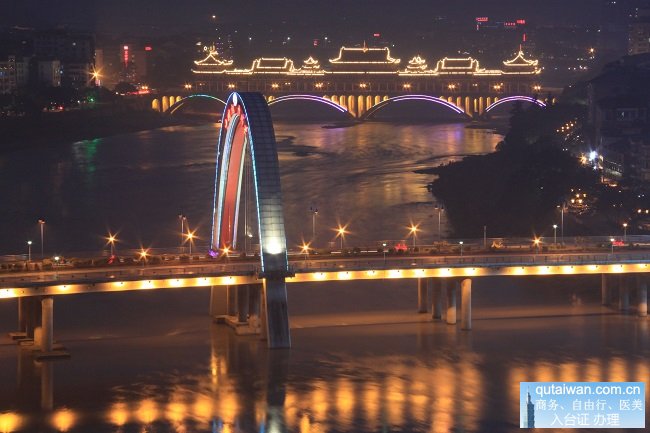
column 639, row 35
column 14, row 74
column 49, row 73
column 75, row 52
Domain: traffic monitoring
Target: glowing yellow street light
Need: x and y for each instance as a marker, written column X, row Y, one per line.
column 413, row 231
column 190, row 238
column 624, row 232
column 304, row 249
column 111, row 240
column 536, row 242
column 341, row 232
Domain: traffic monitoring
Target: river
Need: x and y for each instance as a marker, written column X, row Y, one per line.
column 361, row 361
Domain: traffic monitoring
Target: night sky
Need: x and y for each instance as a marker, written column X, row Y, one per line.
column 163, row 16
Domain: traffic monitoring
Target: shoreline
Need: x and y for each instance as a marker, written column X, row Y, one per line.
column 53, row 129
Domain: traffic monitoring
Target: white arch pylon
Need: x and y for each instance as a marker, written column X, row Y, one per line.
column 247, row 128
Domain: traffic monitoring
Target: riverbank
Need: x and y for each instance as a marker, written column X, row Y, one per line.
column 47, row 129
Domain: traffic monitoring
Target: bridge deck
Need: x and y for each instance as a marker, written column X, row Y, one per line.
column 124, row 278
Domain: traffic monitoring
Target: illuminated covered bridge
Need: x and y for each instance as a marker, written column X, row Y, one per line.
column 359, row 80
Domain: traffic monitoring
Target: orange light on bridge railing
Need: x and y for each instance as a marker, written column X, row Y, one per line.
column 7, row 293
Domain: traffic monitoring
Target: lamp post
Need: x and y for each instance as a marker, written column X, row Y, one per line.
column 413, row 230
column 461, row 248
column 340, row 232
column 383, row 249
column 143, row 257
column 314, row 212
column 29, row 251
column 562, row 209
column 624, row 232
column 611, row 240
column 536, row 242
column 555, row 234
column 182, row 218
column 305, row 250
column 190, row 239
column 41, row 223
column 111, row 241
column 439, row 209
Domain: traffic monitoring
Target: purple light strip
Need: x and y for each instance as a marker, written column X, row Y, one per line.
column 516, row 98
column 309, row 98
column 447, row 104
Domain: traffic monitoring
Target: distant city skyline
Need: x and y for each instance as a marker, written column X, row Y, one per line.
column 165, row 16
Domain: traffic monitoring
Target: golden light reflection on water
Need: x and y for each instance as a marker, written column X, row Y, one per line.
column 147, row 411
column 9, row 422
column 118, row 414
column 63, row 420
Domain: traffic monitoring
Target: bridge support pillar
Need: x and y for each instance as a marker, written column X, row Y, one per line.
column 436, row 298
column 242, row 303
column 623, row 294
column 451, row 303
column 47, row 336
column 422, row 296
column 604, row 290
column 276, row 313
column 232, row 301
column 642, row 295
column 45, row 347
column 466, row 304
column 218, row 303
column 254, row 304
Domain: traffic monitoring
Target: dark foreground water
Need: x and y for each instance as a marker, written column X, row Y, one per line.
column 362, row 360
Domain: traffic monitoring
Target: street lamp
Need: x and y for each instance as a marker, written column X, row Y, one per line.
column 143, row 256
column 612, row 240
column 439, row 209
column 41, row 223
column 314, row 212
column 461, row 248
column 29, row 251
column 383, row 249
column 190, row 239
column 111, row 240
column 341, row 232
column 555, row 234
column 562, row 209
column 305, row 250
column 536, row 242
column 624, row 232
column 182, row 218
column 413, row 231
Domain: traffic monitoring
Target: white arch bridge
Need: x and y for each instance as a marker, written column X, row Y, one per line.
column 365, row 107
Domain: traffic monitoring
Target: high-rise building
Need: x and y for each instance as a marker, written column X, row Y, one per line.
column 639, row 34
column 529, row 420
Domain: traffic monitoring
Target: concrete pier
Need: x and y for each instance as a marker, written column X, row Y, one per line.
column 436, row 297
column 422, row 296
column 604, row 290
column 242, row 303
column 254, row 306
column 451, row 302
column 47, row 342
column 624, row 294
column 642, row 297
column 232, row 301
column 277, row 314
column 466, row 304
column 218, row 303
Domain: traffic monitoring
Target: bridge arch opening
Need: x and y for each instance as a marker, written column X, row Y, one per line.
column 498, row 105
column 421, row 107
column 308, row 107
column 203, row 103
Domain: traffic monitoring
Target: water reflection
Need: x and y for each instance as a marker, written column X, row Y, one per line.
column 436, row 380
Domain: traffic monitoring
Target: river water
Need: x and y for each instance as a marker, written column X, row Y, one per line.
column 362, row 360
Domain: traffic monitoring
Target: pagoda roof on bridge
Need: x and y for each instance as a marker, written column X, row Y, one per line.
column 521, row 65
column 365, row 60
column 270, row 64
column 467, row 65
column 212, row 60
column 365, row 55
